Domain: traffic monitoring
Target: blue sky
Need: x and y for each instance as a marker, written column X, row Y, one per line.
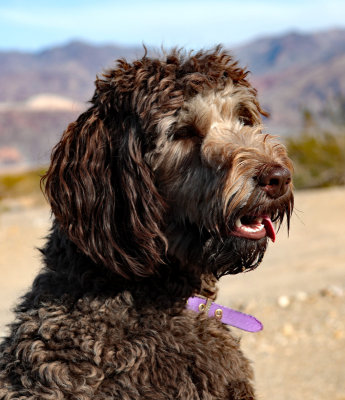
column 35, row 24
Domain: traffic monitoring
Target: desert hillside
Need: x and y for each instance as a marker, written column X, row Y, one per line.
column 298, row 293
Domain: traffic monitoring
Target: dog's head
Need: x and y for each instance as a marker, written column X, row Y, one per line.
column 170, row 162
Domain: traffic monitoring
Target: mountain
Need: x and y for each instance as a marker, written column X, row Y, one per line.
column 68, row 70
column 296, row 72
column 276, row 54
column 42, row 92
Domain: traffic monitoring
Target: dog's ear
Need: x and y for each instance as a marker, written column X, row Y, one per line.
column 102, row 192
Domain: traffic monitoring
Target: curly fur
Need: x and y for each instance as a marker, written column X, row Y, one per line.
column 145, row 188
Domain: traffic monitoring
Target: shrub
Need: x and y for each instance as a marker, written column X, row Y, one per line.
column 319, row 159
column 25, row 183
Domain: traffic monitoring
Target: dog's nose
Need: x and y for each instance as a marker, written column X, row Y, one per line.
column 275, row 181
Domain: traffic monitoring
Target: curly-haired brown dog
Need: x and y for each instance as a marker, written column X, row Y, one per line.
column 165, row 183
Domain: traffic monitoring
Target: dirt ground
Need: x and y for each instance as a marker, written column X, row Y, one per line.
column 298, row 293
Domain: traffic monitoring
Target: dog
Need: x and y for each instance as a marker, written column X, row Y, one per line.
column 163, row 185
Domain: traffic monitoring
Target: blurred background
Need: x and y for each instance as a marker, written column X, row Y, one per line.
column 50, row 53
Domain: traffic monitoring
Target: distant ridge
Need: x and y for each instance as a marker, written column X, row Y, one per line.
column 42, row 92
column 278, row 53
column 68, row 70
column 296, row 71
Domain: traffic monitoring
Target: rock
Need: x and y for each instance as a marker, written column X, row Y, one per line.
column 288, row 330
column 301, row 296
column 333, row 291
column 284, row 301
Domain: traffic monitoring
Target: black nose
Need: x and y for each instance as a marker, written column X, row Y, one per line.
column 275, row 181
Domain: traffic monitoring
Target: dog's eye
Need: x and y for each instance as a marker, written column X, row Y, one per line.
column 186, row 132
column 245, row 121
column 244, row 115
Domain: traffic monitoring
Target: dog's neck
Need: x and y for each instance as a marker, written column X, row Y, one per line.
column 69, row 273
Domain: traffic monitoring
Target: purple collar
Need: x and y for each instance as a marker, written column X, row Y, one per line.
column 224, row 314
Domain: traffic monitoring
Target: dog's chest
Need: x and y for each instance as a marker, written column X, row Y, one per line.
column 163, row 356
column 107, row 349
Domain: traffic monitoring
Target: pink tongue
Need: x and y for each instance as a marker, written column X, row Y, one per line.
column 269, row 228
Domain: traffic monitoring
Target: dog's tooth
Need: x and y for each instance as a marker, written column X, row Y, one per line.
column 252, row 230
column 238, row 223
column 259, row 220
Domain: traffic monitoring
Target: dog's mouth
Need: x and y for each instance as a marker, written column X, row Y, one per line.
column 254, row 227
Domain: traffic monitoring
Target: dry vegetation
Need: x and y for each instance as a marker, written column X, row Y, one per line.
column 319, row 159
column 24, row 184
